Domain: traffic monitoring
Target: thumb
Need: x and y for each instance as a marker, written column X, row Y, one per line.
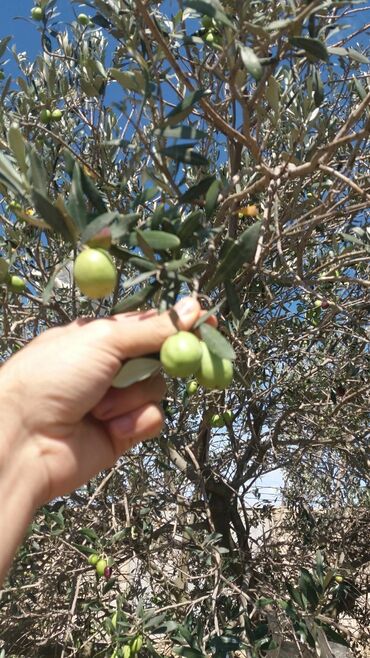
column 134, row 335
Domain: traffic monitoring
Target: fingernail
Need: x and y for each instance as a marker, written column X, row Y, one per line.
column 185, row 307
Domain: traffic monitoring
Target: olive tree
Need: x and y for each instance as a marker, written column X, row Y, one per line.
column 218, row 149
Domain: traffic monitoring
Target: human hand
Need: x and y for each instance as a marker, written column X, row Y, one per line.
column 73, row 424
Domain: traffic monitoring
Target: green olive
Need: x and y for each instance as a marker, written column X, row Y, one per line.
column 95, row 273
column 126, row 651
column 228, row 416
column 45, row 116
column 216, row 421
column 101, row 566
column 181, row 354
column 93, row 559
column 214, row 372
column 56, row 115
column 192, row 387
column 37, row 13
column 83, row 19
column 210, row 37
column 136, row 644
column 16, row 283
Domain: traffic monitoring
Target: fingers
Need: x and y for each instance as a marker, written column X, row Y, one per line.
column 118, row 402
column 138, row 425
column 133, row 336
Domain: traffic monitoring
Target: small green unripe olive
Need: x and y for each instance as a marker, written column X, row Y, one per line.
column 181, row 354
column 37, row 13
column 214, row 372
column 228, row 416
column 210, row 37
column 136, row 644
column 101, row 566
column 126, row 651
column 56, row 115
column 95, row 273
column 45, row 116
column 16, row 283
column 83, row 19
column 93, row 559
column 192, row 387
column 216, row 421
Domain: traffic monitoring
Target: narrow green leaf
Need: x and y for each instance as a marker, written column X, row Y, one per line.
column 211, row 197
column 216, row 342
column 4, row 269
column 3, row 44
column 184, row 108
column 360, row 89
column 51, row 215
column 131, row 80
column 189, row 227
column 313, row 47
column 251, row 61
column 136, row 301
column 76, row 203
column 197, row 191
column 38, row 173
column 318, row 87
column 18, row 146
column 332, row 635
column 157, row 240
column 134, row 371
column 144, row 246
column 10, row 175
column 187, row 652
column 185, row 153
column 92, row 193
column 233, row 300
column 143, row 264
column 272, row 94
column 182, row 132
column 358, row 57
column 241, row 252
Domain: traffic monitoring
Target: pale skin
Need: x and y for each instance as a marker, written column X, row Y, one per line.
column 61, row 420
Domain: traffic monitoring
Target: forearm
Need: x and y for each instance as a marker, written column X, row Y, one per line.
column 18, row 475
column 18, row 503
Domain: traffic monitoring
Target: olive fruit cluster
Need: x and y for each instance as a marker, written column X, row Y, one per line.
column 95, row 273
column 101, row 565
column 130, row 649
column 184, row 354
column 46, row 115
column 220, row 420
